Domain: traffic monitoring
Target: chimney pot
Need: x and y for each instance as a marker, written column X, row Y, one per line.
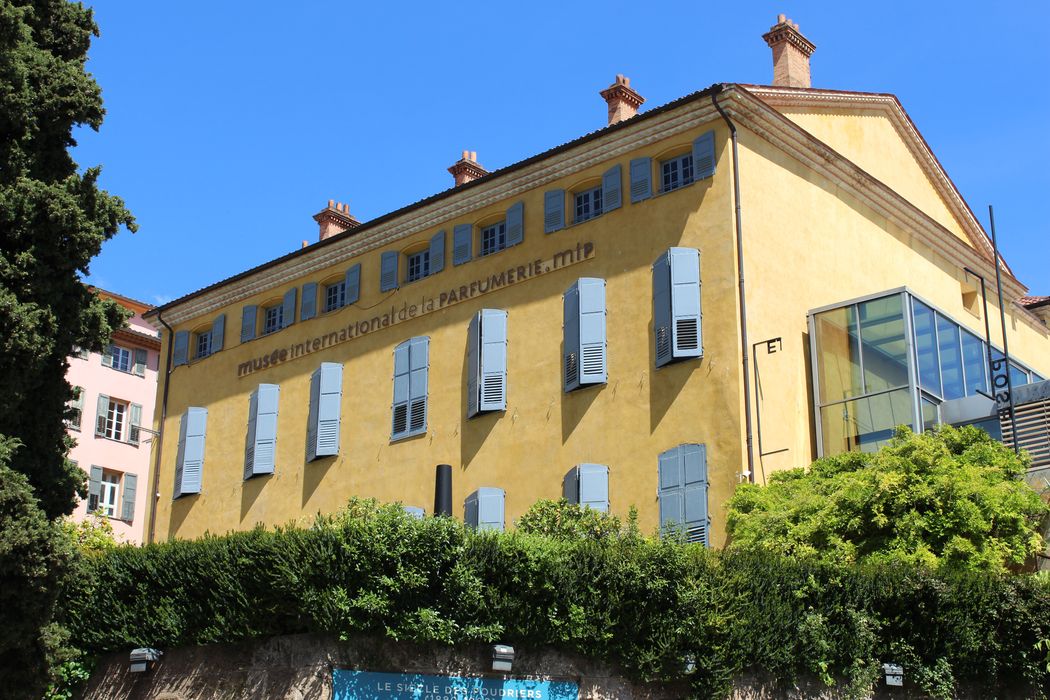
column 466, row 155
column 791, row 52
column 467, row 169
column 334, row 219
column 623, row 102
column 331, row 203
column 474, row 156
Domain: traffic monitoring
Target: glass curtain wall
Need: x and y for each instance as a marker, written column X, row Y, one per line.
column 892, row 361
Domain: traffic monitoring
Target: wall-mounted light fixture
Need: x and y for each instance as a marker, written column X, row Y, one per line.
column 502, row 657
column 142, row 657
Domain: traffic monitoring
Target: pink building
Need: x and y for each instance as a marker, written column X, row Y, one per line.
column 114, row 412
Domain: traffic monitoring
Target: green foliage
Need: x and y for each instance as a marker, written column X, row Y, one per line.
column 34, row 557
column 564, row 520
column 53, row 220
column 947, row 498
column 92, row 535
column 644, row 604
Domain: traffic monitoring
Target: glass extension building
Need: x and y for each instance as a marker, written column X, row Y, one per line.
column 893, row 359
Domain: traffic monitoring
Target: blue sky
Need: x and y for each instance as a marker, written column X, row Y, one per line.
column 230, row 124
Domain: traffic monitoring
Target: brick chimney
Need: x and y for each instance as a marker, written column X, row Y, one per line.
column 335, row 218
column 791, row 52
column 467, row 168
column 622, row 100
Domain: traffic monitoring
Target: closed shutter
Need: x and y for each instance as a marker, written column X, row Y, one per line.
column 180, row 353
column 704, row 156
column 248, row 323
column 515, row 224
column 571, row 338
column 134, row 422
column 493, row 360
column 594, row 487
column 94, row 487
column 411, row 366
column 676, row 306
column 127, row 501
column 139, row 368
column 107, row 356
column 683, row 493
column 612, row 196
column 473, row 365
column 288, row 312
column 483, row 509
column 553, row 211
column 262, row 429
column 437, row 253
column 218, row 333
column 77, row 404
column 101, row 413
column 584, row 334
column 353, row 284
column 462, row 237
column 326, row 393
column 388, row 271
column 414, row 512
column 308, row 306
column 189, row 461
column 641, row 179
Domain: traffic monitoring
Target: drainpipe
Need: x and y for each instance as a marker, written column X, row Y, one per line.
column 743, row 307
column 159, row 442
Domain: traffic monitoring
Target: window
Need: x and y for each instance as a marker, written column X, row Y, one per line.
column 76, row 408
column 494, row 238
column 273, row 319
column 118, row 420
column 335, row 296
column 683, row 493
column 260, row 442
column 587, row 485
column 411, row 367
column 583, row 334
column 487, row 362
column 203, row 344
column 418, row 265
column 676, row 306
column 118, row 358
column 107, row 497
column 484, row 510
column 677, row 172
column 588, row 204
column 322, row 423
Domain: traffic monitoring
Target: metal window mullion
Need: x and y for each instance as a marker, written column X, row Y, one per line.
column 860, row 349
column 913, row 365
column 873, row 394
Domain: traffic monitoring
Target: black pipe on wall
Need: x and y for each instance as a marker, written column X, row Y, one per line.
column 443, row 490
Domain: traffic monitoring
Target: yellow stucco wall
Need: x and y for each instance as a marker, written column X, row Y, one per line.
column 809, row 244
column 869, row 139
column 528, row 449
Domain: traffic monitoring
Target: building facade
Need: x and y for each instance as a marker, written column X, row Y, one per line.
column 111, row 422
column 718, row 288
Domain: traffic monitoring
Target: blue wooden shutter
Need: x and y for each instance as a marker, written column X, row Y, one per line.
column 473, row 365
column 594, row 487
column 437, row 252
column 139, row 368
column 127, row 500
column 94, row 487
column 388, row 271
column 592, row 331
column 101, row 412
column 288, row 312
column 685, row 302
column 641, row 179
column 493, row 360
column 402, row 381
column 189, row 460
column 571, row 338
column 704, row 156
column 134, row 423
column 261, row 453
column 248, row 324
column 218, row 333
column 484, row 509
column 308, row 306
column 180, row 353
column 694, row 473
column 612, row 193
column 414, row 512
column 462, row 237
column 419, row 362
column 553, row 211
column 671, row 493
column 326, row 393
column 515, row 224
column 353, row 284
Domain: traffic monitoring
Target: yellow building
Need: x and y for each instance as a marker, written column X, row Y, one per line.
column 727, row 285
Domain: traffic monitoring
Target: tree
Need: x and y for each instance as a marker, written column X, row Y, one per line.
column 947, row 498
column 53, row 220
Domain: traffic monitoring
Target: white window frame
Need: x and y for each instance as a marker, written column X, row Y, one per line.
column 417, row 265
column 273, row 318
column 587, row 203
column 108, row 494
column 676, row 172
column 335, row 296
column 116, row 420
column 202, row 344
column 497, row 234
column 122, row 361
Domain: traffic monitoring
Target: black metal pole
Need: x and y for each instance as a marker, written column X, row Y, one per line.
column 1006, row 342
column 987, row 329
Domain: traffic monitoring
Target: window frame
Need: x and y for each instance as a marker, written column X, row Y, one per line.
column 336, row 289
column 125, row 355
column 273, row 312
column 594, row 204
column 202, row 338
column 682, row 162
column 498, row 229
column 109, row 485
column 117, row 425
column 421, row 260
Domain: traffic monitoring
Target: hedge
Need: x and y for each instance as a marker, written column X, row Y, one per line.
column 660, row 609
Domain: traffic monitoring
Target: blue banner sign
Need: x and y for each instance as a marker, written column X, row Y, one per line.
column 366, row 685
